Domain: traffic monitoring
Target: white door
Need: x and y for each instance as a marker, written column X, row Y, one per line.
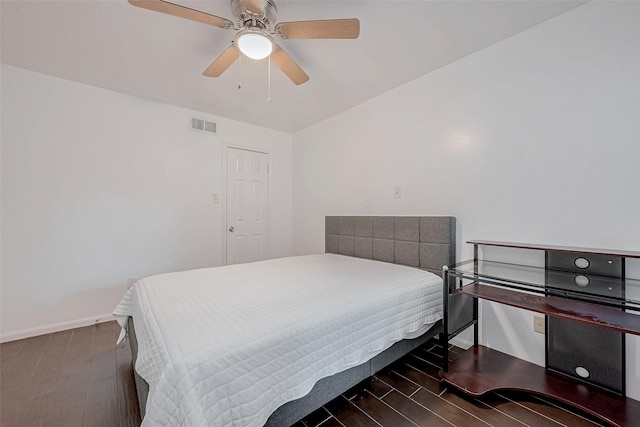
column 247, row 206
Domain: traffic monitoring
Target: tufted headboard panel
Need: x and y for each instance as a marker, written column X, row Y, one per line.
column 427, row 242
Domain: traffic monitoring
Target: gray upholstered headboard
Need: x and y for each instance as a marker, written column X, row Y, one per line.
column 427, row 242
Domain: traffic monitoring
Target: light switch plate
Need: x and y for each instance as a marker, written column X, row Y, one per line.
column 538, row 324
column 397, row 192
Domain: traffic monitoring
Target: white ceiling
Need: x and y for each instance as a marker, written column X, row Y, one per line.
column 114, row 45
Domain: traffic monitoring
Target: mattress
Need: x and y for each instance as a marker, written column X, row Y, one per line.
column 227, row 346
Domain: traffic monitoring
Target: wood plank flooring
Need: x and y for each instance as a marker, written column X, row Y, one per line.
column 72, row 378
column 81, row 378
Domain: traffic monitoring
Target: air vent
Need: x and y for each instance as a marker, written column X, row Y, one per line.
column 201, row 125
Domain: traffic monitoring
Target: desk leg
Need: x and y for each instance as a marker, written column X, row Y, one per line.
column 444, row 336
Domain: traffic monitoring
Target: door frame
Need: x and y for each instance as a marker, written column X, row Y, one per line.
column 223, row 205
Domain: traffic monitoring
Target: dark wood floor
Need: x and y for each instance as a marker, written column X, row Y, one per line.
column 80, row 378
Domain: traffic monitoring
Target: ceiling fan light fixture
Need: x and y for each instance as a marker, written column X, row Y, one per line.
column 255, row 21
column 255, row 45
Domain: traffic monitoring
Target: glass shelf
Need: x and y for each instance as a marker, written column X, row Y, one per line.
column 608, row 291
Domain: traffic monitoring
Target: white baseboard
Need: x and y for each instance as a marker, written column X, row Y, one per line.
column 56, row 327
column 461, row 342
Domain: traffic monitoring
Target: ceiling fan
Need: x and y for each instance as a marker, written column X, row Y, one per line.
column 255, row 23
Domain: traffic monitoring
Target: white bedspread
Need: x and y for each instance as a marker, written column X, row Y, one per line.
column 227, row 346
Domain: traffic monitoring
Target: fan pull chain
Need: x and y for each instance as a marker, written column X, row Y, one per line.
column 240, row 72
column 269, row 81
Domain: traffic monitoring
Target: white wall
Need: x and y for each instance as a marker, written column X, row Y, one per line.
column 534, row 139
column 99, row 187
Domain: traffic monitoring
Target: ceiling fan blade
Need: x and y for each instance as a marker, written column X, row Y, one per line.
column 223, row 62
column 321, row 29
column 253, row 6
column 288, row 65
column 183, row 12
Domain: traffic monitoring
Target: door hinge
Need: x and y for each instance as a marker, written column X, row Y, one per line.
column 268, row 167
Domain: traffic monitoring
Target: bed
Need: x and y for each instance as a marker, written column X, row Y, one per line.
column 269, row 342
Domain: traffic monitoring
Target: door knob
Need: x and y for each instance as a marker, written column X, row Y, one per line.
column 231, row 228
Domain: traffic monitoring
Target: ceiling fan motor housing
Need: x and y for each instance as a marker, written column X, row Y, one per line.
column 266, row 21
